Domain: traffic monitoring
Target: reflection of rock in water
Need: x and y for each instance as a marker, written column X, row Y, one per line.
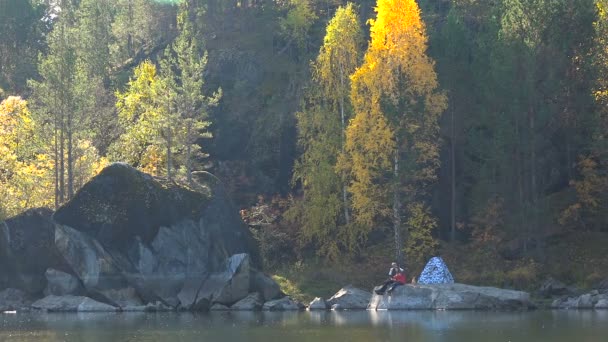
column 320, row 316
column 438, row 320
column 342, row 318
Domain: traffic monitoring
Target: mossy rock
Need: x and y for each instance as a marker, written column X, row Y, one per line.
column 122, row 203
column 27, row 249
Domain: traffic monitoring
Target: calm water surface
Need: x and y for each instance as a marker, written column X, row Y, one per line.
column 354, row 326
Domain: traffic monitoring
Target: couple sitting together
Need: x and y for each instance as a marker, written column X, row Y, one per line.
column 396, row 277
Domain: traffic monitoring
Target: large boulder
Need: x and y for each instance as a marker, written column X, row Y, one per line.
column 283, row 304
column 126, row 229
column 226, row 287
column 266, row 286
column 61, row 283
column 252, row 302
column 450, row 297
column 318, row 304
column 349, row 298
column 95, row 267
column 13, row 299
column 552, row 287
column 27, row 249
column 71, row 303
column 122, row 204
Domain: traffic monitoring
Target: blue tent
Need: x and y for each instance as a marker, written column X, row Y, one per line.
column 436, row 272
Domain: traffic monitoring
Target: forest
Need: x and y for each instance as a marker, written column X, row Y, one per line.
column 349, row 134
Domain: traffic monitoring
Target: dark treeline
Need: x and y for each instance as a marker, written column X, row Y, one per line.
column 468, row 121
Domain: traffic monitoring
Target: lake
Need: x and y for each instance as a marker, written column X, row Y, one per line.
column 350, row 326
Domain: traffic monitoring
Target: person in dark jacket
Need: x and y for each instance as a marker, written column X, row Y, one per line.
column 397, row 277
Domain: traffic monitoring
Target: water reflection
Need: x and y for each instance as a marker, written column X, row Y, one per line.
column 350, row 326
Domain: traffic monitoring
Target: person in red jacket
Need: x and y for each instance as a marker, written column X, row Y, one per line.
column 397, row 277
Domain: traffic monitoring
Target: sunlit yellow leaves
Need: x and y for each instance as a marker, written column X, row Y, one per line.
column 591, row 190
column 397, row 106
column 141, row 121
column 339, row 55
column 24, row 172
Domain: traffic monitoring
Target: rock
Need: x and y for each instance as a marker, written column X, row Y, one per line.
column 406, row 297
column 160, row 238
column 283, row 304
column 265, row 285
column 158, row 307
column 219, row 307
column 229, row 286
column 602, row 285
column 122, row 203
column 350, row 298
column 71, row 303
column 436, row 272
column 317, row 304
column 450, row 297
column 601, row 304
column 123, row 298
column 565, row 303
column 252, row 302
column 93, row 265
column 27, row 250
column 130, row 239
column 61, row 283
column 591, row 300
column 13, row 299
column 552, row 287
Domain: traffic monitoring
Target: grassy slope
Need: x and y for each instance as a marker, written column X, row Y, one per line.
column 576, row 259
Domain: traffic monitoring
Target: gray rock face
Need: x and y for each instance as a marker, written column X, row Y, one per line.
column 229, row 286
column 13, row 299
column 318, row 304
column 219, row 307
column 252, row 302
column 266, row 286
column 350, row 298
column 123, row 298
column 450, row 297
column 71, row 303
column 602, row 304
column 591, row 300
column 88, row 259
column 27, row 249
column 552, row 287
column 283, row 304
column 61, row 283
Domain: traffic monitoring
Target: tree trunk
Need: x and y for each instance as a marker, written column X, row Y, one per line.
column 453, row 176
column 169, row 142
column 70, row 160
column 343, row 138
column 56, row 165
column 397, row 213
column 189, row 152
column 534, row 189
column 520, row 185
column 61, row 162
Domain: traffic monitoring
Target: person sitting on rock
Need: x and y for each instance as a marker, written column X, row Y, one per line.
column 397, row 277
